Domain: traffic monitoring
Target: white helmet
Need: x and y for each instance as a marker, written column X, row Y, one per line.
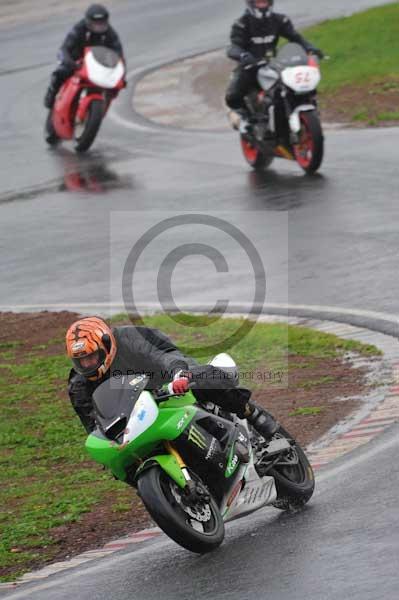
column 260, row 8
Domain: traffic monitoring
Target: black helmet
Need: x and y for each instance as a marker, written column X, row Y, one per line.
column 96, row 18
column 260, row 8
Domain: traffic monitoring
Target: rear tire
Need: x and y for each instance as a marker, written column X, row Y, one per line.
column 310, row 150
column 92, row 124
column 49, row 132
column 253, row 155
column 294, row 484
column 159, row 494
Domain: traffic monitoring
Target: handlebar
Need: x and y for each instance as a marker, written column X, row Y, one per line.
column 262, row 63
column 160, row 395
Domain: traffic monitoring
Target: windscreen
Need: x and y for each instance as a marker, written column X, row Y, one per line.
column 114, row 401
column 291, row 55
column 105, row 56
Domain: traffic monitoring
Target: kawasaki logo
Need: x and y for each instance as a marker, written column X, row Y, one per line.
column 196, row 437
column 232, row 465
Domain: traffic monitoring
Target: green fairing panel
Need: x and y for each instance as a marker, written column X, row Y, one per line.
column 168, row 464
column 174, row 416
column 110, row 454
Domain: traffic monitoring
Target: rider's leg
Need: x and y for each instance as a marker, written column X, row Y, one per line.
column 261, row 420
column 241, row 82
column 213, row 386
column 58, row 77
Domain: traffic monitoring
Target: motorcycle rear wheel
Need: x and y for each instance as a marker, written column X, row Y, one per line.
column 160, row 495
column 294, row 483
column 92, row 124
column 253, row 155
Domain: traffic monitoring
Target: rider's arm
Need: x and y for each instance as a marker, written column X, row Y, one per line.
column 150, row 350
column 239, row 38
column 72, row 44
column 80, row 393
column 288, row 31
column 115, row 43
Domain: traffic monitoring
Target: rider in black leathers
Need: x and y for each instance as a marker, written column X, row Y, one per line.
column 127, row 350
column 254, row 37
column 93, row 30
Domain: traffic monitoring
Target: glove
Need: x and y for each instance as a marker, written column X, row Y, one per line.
column 180, row 386
column 319, row 53
column 247, row 59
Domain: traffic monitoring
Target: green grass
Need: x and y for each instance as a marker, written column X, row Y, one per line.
column 362, row 47
column 45, row 479
column 306, row 411
column 388, row 116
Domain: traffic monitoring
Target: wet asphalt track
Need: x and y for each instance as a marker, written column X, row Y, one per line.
column 344, row 545
column 331, row 239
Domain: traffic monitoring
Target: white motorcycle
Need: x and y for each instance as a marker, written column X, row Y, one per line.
column 284, row 120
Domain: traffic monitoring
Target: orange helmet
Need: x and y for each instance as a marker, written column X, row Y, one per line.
column 92, row 347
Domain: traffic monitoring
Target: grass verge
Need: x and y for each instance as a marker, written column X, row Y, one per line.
column 361, row 79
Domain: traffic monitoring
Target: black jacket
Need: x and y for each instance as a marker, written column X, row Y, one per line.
column 79, row 37
column 145, row 350
column 260, row 36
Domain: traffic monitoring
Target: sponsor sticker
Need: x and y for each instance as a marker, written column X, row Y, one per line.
column 77, row 346
column 196, row 437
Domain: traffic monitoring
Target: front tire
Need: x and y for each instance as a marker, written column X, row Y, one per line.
column 254, row 157
column 91, row 126
column 294, row 482
column 200, row 531
column 310, row 149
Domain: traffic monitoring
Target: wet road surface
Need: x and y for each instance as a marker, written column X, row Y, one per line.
column 328, row 239
column 68, row 223
column 344, row 545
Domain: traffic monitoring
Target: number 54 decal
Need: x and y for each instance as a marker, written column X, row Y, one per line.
column 302, row 77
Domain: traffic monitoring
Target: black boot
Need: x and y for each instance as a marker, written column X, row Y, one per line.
column 49, row 98
column 261, row 420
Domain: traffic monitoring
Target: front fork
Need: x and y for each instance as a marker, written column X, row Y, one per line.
column 293, row 115
column 195, row 491
column 179, row 461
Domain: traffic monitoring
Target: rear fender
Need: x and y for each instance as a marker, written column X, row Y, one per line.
column 168, row 463
column 84, row 104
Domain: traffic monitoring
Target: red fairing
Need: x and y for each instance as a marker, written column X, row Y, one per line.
column 67, row 109
column 62, row 114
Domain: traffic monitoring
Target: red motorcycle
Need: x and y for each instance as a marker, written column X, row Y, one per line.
column 84, row 99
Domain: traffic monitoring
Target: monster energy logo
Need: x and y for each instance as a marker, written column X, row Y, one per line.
column 197, row 438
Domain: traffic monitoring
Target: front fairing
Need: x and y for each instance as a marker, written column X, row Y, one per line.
column 298, row 72
column 131, row 425
column 103, row 67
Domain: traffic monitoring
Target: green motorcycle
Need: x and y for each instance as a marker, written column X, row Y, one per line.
column 195, row 467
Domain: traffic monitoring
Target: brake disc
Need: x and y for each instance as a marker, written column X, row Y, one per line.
column 198, row 512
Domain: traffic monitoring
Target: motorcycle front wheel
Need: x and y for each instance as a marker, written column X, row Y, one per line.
column 90, row 126
column 293, row 476
column 198, row 528
column 310, row 149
